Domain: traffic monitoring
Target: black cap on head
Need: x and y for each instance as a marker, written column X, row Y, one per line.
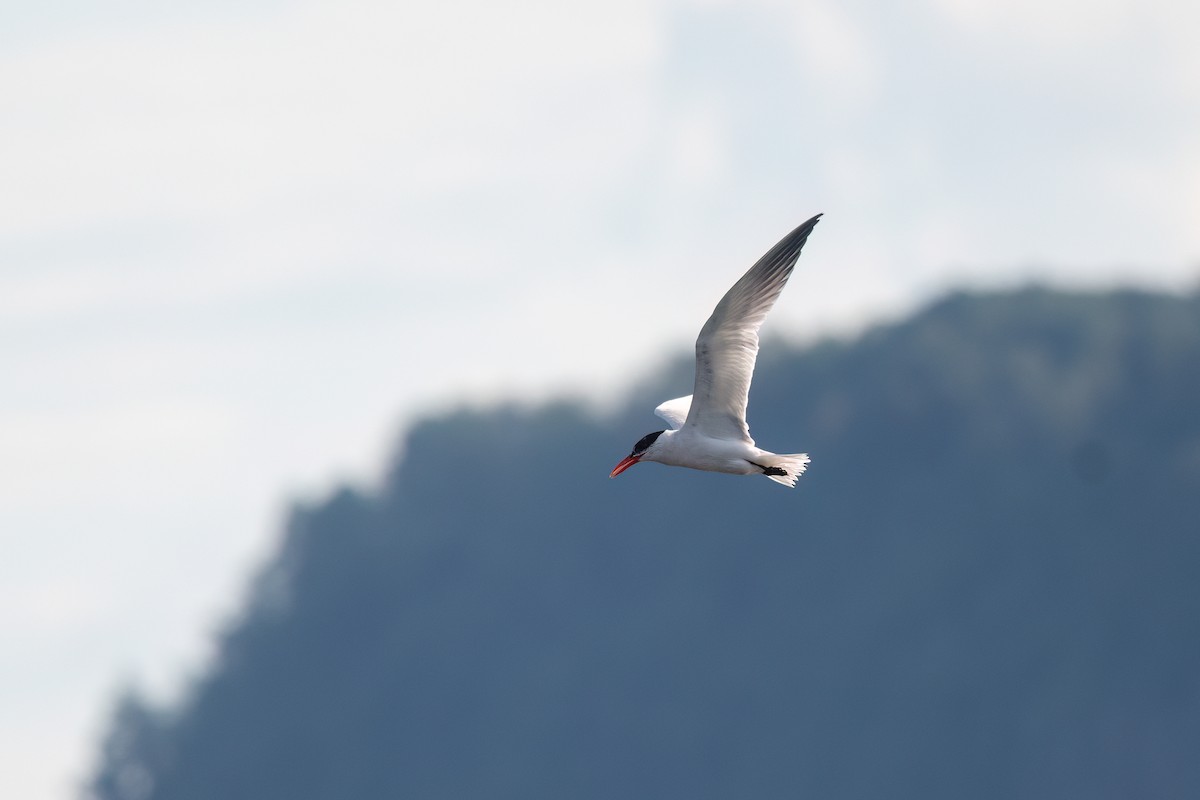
column 644, row 443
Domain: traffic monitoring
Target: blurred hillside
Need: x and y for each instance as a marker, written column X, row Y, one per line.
column 984, row 587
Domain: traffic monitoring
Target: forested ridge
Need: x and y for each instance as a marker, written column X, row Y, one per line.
column 985, row 586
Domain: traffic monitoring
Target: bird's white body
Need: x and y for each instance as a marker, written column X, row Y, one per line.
column 708, row 429
column 689, row 446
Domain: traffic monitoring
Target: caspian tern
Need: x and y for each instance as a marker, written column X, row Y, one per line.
column 708, row 428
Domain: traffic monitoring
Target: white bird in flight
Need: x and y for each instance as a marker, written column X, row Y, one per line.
column 708, row 428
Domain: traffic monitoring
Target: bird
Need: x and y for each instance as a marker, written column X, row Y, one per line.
column 707, row 429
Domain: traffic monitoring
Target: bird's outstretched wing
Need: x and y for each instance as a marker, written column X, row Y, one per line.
column 728, row 343
column 675, row 411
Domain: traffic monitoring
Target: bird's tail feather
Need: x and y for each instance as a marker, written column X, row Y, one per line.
column 785, row 469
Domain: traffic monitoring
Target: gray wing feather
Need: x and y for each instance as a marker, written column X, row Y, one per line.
column 728, row 343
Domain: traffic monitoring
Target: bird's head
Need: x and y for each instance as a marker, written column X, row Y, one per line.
column 643, row 449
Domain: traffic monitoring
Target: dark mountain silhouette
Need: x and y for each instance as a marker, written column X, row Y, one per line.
column 986, row 586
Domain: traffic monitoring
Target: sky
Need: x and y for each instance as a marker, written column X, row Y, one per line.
column 242, row 245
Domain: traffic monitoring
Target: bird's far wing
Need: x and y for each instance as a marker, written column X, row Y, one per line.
column 675, row 411
column 728, row 343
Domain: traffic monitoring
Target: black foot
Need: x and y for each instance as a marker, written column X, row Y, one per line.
column 770, row 470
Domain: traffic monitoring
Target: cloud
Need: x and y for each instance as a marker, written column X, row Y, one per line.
column 1070, row 24
column 224, row 119
column 838, row 52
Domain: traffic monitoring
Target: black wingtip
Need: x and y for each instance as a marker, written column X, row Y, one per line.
column 801, row 233
column 788, row 249
column 803, row 229
column 809, row 224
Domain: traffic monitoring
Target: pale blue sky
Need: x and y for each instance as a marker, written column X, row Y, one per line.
column 242, row 243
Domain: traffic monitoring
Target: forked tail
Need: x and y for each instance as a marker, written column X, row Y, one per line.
column 784, row 469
